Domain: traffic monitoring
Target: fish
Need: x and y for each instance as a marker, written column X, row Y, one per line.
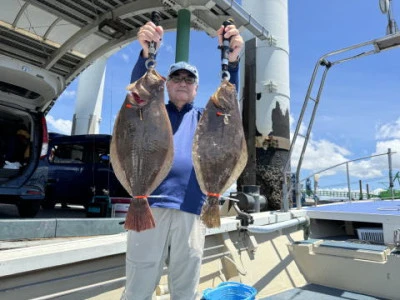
column 219, row 150
column 141, row 149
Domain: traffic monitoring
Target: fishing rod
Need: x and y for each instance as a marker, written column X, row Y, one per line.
column 151, row 61
column 225, row 50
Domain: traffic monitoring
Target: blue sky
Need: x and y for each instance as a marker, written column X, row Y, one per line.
column 359, row 112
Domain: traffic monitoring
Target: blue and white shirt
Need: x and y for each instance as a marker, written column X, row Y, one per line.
column 180, row 188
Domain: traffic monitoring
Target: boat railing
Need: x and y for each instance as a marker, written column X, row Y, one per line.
column 325, row 63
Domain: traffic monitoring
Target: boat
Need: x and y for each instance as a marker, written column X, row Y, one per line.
column 341, row 250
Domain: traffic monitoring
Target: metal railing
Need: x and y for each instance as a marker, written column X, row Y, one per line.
column 367, row 48
column 352, row 195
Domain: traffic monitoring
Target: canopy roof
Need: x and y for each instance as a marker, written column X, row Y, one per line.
column 66, row 36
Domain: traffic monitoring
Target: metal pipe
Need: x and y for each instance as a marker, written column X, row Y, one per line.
column 311, row 123
column 298, row 194
column 276, row 226
column 302, row 112
column 183, row 35
column 285, row 202
column 390, row 172
column 392, row 26
column 254, row 191
column 316, row 180
column 385, row 43
column 348, row 180
column 334, row 166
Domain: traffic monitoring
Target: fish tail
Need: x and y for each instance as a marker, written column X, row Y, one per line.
column 210, row 214
column 139, row 216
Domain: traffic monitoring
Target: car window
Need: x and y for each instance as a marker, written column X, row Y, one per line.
column 67, row 154
column 99, row 151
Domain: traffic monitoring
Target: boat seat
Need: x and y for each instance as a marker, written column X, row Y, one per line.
column 378, row 253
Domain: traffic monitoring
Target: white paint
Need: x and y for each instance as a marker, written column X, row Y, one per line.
column 89, row 99
column 272, row 59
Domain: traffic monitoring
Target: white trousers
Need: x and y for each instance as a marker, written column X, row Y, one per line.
column 178, row 240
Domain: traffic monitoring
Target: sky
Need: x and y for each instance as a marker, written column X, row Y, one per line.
column 359, row 110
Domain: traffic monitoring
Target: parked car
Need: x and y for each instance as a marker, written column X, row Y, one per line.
column 26, row 94
column 79, row 169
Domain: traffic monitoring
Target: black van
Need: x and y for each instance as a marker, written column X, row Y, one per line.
column 79, row 169
column 26, row 94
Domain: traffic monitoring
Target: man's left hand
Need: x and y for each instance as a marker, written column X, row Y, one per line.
column 236, row 40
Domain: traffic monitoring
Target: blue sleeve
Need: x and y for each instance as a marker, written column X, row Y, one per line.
column 234, row 72
column 139, row 69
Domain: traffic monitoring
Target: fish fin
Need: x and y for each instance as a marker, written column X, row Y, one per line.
column 139, row 216
column 215, row 100
column 130, row 86
column 210, row 213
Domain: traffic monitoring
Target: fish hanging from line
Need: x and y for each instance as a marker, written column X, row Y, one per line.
column 219, row 149
column 141, row 149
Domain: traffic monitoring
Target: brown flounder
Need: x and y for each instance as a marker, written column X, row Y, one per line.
column 219, row 149
column 141, row 149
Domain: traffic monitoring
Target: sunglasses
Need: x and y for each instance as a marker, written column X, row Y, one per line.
column 178, row 79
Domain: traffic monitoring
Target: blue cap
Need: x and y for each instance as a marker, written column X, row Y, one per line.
column 181, row 65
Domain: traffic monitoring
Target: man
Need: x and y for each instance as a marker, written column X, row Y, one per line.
column 178, row 237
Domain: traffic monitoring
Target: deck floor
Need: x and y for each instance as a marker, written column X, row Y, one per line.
column 318, row 292
column 378, row 207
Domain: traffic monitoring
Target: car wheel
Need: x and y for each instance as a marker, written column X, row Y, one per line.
column 48, row 204
column 28, row 209
column 48, row 201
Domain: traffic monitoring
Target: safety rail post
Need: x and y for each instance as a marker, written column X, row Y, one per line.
column 348, row 181
column 390, row 172
column 385, row 43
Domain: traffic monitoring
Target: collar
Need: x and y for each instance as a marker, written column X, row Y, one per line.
column 185, row 108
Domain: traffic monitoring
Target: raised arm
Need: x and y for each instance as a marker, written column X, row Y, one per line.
column 147, row 33
column 236, row 44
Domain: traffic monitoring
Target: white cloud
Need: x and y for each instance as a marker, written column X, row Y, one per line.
column 388, row 130
column 59, row 125
column 169, row 49
column 320, row 154
column 68, row 93
column 366, row 169
column 324, row 154
column 388, row 136
column 382, row 147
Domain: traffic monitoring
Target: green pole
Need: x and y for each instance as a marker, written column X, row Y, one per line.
column 182, row 36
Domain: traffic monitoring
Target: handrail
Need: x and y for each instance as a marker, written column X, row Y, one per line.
column 348, row 161
column 381, row 44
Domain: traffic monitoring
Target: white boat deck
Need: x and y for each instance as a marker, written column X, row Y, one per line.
column 315, row 291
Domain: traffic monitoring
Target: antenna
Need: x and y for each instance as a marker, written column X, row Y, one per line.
column 386, row 8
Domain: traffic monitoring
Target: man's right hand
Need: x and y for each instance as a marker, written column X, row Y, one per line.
column 149, row 32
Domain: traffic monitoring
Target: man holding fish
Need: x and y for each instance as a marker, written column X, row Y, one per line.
column 178, row 236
